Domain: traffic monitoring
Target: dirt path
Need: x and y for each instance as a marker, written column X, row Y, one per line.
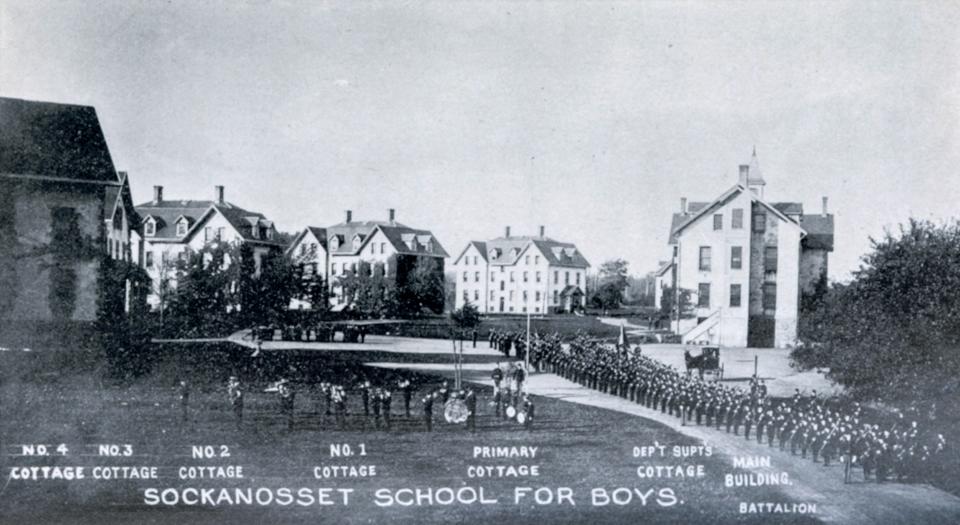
column 837, row 502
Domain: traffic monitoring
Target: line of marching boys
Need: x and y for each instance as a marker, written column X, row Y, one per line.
column 377, row 400
column 808, row 424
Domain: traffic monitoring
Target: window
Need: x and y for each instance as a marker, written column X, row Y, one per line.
column 536, row 259
column 556, row 277
column 303, row 248
column 511, row 295
column 703, row 295
column 466, row 296
column 705, row 258
column 770, row 258
column 736, row 257
column 769, row 296
column 149, row 262
column 524, row 296
column 476, row 277
column 383, row 247
column 503, row 286
column 734, row 295
column 526, row 260
column 717, row 221
column 526, row 276
column 493, row 277
column 566, row 278
column 207, row 234
column 578, row 278
column 333, row 268
column 737, row 219
column 220, row 233
column 150, row 228
column 759, row 222
column 465, row 276
column 511, row 277
column 491, row 295
column 538, row 277
column 537, row 296
column 556, row 297
column 524, row 309
column 116, row 248
column 476, row 295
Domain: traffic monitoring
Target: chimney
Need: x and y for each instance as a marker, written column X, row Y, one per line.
column 507, row 232
column 393, row 215
column 157, row 194
column 543, row 231
column 824, row 206
column 349, row 216
column 219, row 192
column 683, row 205
column 744, row 174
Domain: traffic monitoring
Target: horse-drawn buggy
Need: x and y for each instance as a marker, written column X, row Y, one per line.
column 707, row 362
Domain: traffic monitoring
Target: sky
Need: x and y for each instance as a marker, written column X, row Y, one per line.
column 591, row 119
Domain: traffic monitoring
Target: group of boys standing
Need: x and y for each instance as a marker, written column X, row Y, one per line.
column 805, row 423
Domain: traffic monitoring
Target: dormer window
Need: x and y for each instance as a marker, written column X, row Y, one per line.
column 356, row 243
column 150, row 228
column 181, row 227
column 334, row 243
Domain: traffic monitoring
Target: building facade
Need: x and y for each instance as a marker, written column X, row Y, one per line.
column 745, row 262
column 172, row 228
column 521, row 275
column 338, row 250
column 62, row 207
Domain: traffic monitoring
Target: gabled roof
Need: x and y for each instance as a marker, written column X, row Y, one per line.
column 319, row 233
column 571, row 289
column 198, row 212
column 685, row 220
column 116, row 197
column 512, row 249
column 346, row 230
column 479, row 245
column 50, row 141
column 394, row 233
column 663, row 269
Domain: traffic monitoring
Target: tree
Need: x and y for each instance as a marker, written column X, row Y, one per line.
column 422, row 290
column 894, row 330
column 311, row 287
column 207, row 296
column 162, row 287
column 366, row 290
column 466, row 318
column 613, row 282
column 668, row 301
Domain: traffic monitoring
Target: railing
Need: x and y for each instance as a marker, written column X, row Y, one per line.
column 709, row 322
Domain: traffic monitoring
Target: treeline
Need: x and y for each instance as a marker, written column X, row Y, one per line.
column 893, row 332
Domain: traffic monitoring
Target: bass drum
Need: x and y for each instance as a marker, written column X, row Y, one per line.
column 455, row 411
column 511, row 412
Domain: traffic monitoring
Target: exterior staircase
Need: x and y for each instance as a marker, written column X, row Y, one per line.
column 702, row 332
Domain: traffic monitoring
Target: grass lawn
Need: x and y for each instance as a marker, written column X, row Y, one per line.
column 579, row 447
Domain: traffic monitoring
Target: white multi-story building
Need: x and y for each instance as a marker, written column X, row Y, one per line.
column 171, row 228
column 745, row 263
column 337, row 251
column 521, row 275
